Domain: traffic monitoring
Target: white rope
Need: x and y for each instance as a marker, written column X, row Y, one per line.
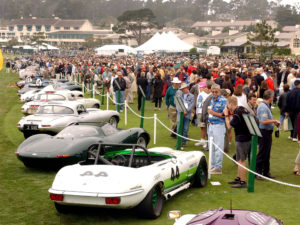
column 257, row 174
column 138, row 114
column 99, row 93
column 189, row 139
column 116, row 102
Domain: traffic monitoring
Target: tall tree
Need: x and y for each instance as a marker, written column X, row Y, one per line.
column 135, row 21
column 265, row 35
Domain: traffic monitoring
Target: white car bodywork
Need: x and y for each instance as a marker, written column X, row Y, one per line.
column 90, row 185
column 29, row 71
column 31, row 107
column 33, row 93
column 52, row 117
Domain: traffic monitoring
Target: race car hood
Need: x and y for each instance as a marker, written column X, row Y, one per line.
column 102, row 179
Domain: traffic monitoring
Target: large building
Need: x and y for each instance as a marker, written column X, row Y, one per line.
column 232, row 25
column 57, row 31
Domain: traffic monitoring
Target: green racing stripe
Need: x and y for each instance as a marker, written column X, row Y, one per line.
column 171, row 184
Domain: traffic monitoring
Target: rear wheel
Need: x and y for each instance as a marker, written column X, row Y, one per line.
column 27, row 134
column 152, row 205
column 142, row 141
column 113, row 121
column 200, row 178
column 64, row 209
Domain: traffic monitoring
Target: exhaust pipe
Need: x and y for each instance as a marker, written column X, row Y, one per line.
column 174, row 192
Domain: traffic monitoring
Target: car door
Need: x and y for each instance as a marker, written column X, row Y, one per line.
column 175, row 173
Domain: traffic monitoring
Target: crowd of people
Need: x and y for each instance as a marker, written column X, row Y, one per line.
column 215, row 93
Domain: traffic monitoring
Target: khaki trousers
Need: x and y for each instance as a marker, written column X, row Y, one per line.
column 172, row 112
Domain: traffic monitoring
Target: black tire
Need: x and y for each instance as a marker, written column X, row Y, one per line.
column 114, row 120
column 27, row 134
column 96, row 106
column 200, row 179
column 64, row 209
column 152, row 205
column 142, row 140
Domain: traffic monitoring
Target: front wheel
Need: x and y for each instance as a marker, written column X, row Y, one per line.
column 201, row 175
column 142, row 141
column 113, row 121
column 152, row 205
column 96, row 106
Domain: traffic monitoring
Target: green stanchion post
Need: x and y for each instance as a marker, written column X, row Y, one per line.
column 119, row 101
column 102, row 99
column 78, row 79
column 92, row 88
column 251, row 177
column 142, row 112
column 179, row 139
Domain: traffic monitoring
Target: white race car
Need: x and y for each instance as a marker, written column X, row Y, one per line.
column 54, row 116
column 31, row 107
column 129, row 177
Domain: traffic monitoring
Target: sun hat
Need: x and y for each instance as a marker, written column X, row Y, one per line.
column 202, row 84
column 176, row 80
column 184, row 85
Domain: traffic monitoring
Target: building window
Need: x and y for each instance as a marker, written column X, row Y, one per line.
column 29, row 27
column 296, row 43
column 57, row 28
column 67, row 28
column 20, row 27
column 38, row 27
column 47, row 28
column 11, row 28
column 76, row 28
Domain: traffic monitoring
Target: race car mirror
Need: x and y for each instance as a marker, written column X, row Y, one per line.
column 141, row 90
column 179, row 102
column 174, row 214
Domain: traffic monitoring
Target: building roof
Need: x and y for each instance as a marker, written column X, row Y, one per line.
column 70, row 23
column 290, row 28
column 104, row 32
column 230, row 23
column 234, row 44
column 256, row 43
column 30, row 21
column 285, row 35
column 224, row 35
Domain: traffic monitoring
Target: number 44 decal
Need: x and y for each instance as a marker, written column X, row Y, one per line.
column 175, row 175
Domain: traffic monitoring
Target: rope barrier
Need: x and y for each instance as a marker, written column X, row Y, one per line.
column 257, row 174
column 138, row 114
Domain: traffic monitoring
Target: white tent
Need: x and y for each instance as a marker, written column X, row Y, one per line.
column 114, row 49
column 167, row 42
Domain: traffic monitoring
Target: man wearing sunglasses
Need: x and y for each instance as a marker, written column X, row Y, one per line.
column 216, row 127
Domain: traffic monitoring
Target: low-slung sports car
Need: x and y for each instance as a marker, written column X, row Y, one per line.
column 52, row 117
column 31, row 107
column 130, row 177
column 71, row 144
column 225, row 217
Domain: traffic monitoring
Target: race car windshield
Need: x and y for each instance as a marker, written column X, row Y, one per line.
column 78, row 131
column 53, row 97
column 54, row 109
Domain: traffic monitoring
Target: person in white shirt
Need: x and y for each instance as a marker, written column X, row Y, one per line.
column 241, row 97
column 199, row 104
column 291, row 77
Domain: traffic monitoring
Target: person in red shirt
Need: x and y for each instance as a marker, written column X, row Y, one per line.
column 215, row 73
column 239, row 80
column 191, row 68
column 270, row 82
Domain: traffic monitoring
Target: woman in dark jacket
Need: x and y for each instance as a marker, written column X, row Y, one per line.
column 158, row 88
column 141, row 81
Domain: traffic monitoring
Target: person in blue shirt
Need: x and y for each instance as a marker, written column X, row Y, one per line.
column 189, row 102
column 266, row 125
column 216, row 127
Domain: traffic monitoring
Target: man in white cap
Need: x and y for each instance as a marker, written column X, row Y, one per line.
column 188, row 101
column 170, row 94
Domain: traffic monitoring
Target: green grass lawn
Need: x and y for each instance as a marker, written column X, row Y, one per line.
column 25, row 199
